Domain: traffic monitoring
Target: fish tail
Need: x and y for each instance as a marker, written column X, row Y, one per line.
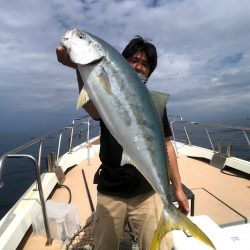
column 173, row 219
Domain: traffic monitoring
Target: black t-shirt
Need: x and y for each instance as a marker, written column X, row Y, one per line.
column 114, row 179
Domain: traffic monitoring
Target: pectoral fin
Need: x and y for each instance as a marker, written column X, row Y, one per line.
column 103, row 79
column 82, row 99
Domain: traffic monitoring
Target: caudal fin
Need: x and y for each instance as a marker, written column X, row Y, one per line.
column 173, row 219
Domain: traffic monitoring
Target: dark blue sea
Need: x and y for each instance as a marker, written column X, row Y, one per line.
column 19, row 174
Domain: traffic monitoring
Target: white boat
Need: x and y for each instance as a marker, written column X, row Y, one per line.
column 217, row 184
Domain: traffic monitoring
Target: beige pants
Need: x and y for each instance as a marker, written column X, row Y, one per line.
column 144, row 210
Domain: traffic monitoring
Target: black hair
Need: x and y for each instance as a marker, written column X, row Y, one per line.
column 139, row 44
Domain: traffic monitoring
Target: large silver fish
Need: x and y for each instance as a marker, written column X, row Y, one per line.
column 126, row 108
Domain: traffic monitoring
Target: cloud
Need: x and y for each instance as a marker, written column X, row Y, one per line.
column 203, row 49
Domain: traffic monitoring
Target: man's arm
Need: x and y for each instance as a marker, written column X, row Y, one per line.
column 175, row 177
column 63, row 57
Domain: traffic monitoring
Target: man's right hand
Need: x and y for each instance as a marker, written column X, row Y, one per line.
column 63, row 57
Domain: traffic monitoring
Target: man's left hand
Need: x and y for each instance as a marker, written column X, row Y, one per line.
column 182, row 201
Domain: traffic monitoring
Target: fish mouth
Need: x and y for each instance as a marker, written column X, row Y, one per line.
column 69, row 34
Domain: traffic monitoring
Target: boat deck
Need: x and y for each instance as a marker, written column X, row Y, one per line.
column 225, row 198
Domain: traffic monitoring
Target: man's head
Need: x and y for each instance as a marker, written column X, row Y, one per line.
column 141, row 55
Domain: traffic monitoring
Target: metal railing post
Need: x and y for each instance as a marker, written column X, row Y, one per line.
column 40, row 190
column 209, row 138
column 245, row 134
column 71, row 138
column 13, row 154
column 39, row 158
column 59, row 146
column 88, row 135
column 185, row 130
column 175, row 145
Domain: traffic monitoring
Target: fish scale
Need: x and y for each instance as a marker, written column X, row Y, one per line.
column 126, row 107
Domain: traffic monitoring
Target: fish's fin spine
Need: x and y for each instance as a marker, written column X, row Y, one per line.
column 82, row 99
column 173, row 219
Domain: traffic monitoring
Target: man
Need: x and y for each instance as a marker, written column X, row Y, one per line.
column 123, row 191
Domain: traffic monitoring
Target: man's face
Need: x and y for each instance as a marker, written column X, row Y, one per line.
column 140, row 63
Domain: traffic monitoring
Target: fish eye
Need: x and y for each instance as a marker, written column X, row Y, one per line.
column 81, row 36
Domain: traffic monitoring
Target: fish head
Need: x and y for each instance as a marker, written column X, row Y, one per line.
column 82, row 48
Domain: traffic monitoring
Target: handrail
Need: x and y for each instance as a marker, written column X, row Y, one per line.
column 40, row 140
column 175, row 117
column 88, row 135
column 218, row 125
column 40, row 189
column 178, row 119
column 206, row 130
column 37, row 162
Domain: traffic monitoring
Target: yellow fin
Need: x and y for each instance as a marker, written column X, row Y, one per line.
column 161, row 230
column 172, row 219
column 82, row 99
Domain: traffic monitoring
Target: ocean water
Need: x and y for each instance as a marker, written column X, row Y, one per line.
column 19, row 174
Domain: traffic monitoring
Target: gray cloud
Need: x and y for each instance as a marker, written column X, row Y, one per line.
column 203, row 48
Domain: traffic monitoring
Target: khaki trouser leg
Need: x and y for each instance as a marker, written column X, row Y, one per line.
column 145, row 211
column 110, row 216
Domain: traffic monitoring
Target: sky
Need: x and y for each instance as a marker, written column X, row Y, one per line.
column 203, row 56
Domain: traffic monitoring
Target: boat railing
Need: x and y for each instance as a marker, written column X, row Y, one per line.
column 183, row 128
column 15, row 153
column 82, row 122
